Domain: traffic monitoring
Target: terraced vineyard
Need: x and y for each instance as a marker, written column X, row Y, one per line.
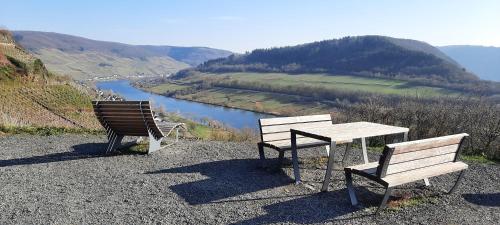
column 56, row 105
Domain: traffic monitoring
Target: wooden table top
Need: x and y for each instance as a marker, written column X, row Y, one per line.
column 346, row 132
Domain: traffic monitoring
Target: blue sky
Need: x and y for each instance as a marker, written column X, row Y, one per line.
column 240, row 26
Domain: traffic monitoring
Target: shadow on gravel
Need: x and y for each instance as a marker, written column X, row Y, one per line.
column 227, row 178
column 83, row 151
column 492, row 199
column 320, row 207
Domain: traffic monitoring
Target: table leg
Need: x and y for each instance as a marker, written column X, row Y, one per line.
column 365, row 153
column 295, row 158
column 329, row 167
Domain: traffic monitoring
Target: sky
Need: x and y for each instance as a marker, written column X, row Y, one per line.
column 240, row 26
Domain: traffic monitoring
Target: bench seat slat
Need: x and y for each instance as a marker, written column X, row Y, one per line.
column 369, row 168
column 409, row 156
column 419, row 163
column 419, row 145
column 297, row 119
column 302, row 142
column 419, row 174
column 287, row 127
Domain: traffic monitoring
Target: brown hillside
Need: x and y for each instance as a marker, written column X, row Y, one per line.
column 31, row 97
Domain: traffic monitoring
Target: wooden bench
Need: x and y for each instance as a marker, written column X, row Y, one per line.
column 130, row 118
column 411, row 161
column 275, row 133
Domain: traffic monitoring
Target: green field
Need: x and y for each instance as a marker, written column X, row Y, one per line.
column 270, row 92
column 167, row 87
column 337, row 82
column 279, row 104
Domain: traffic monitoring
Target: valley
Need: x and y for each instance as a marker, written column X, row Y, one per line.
column 285, row 94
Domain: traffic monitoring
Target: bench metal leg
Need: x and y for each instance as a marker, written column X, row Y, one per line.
column 383, row 204
column 329, row 168
column 177, row 134
column 327, row 150
column 365, row 153
column 426, row 182
column 114, row 142
column 350, row 188
column 295, row 159
column 154, row 144
column 346, row 153
column 261, row 151
column 281, row 158
column 457, row 182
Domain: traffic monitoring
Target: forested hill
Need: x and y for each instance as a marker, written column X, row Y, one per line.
column 363, row 55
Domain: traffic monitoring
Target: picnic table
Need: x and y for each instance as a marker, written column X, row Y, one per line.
column 340, row 133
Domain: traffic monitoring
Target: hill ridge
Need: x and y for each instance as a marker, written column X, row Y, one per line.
column 370, row 55
column 84, row 58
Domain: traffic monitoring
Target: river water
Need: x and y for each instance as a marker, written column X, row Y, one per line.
column 235, row 118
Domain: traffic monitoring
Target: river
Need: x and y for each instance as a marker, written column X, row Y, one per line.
column 235, row 118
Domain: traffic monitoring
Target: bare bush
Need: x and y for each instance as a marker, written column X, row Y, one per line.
column 436, row 117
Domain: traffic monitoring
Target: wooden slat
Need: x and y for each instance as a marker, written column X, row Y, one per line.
column 410, row 146
column 295, row 119
column 124, row 119
column 419, row 163
column 114, row 107
column 117, row 110
column 129, row 120
column 300, row 142
column 419, row 174
column 370, row 168
column 117, row 114
column 119, row 102
column 287, row 127
column 414, row 155
column 276, row 136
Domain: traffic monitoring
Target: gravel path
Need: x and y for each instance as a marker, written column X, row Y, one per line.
column 66, row 180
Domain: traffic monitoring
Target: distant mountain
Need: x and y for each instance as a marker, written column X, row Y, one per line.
column 363, row 55
column 84, row 58
column 481, row 60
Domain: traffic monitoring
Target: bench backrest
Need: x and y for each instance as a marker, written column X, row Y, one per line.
column 276, row 129
column 128, row 118
column 413, row 155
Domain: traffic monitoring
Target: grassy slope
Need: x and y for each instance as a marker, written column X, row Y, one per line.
column 283, row 104
column 50, row 105
column 78, row 65
column 29, row 97
column 340, row 82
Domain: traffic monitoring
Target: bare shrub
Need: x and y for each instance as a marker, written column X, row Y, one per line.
column 436, row 117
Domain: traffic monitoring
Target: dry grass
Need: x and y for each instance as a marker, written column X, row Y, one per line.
column 54, row 105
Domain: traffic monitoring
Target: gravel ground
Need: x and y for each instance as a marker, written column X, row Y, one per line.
column 67, row 180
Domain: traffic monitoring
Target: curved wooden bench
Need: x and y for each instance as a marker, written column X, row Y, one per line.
column 411, row 161
column 128, row 118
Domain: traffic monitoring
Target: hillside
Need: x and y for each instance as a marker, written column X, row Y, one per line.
column 31, row 96
column 84, row 58
column 364, row 55
column 481, row 60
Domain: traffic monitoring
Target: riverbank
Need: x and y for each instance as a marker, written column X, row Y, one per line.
column 66, row 180
column 255, row 101
column 198, row 112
